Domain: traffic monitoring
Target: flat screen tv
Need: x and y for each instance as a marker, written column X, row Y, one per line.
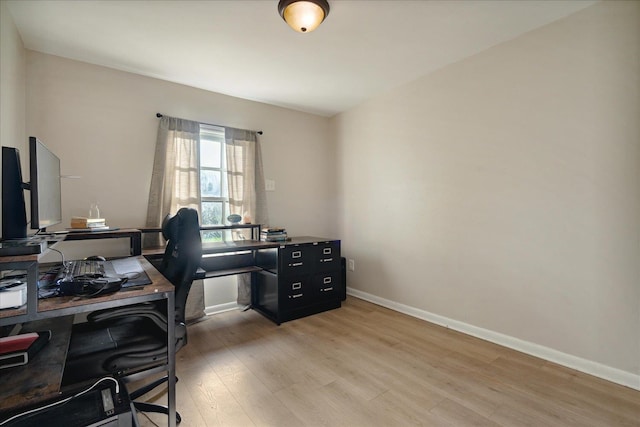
column 44, row 167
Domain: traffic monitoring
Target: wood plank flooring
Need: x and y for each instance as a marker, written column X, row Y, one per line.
column 364, row 365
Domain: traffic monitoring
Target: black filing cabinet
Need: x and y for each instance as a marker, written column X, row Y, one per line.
column 299, row 278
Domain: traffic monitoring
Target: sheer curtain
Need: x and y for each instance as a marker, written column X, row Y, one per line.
column 245, row 175
column 175, row 179
column 175, row 183
column 247, row 197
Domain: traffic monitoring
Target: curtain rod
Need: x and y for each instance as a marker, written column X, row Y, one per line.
column 259, row 132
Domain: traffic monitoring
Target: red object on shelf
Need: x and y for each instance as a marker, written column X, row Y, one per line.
column 17, row 342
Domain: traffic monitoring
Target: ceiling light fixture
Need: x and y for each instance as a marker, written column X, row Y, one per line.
column 303, row 16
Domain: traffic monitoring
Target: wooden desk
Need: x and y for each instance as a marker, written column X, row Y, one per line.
column 25, row 387
column 20, row 388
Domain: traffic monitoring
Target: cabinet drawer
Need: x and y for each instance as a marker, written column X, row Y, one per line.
column 295, row 291
column 327, row 256
column 296, row 260
column 327, row 286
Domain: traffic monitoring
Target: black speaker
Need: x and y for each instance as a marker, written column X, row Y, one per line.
column 14, row 214
column 343, row 265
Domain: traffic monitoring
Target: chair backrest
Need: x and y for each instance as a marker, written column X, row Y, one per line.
column 182, row 255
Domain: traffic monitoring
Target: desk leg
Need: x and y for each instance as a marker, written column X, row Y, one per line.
column 136, row 244
column 171, row 359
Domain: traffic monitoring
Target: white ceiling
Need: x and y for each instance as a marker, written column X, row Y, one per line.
column 244, row 49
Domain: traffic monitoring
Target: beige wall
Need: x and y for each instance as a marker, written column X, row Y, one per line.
column 12, row 86
column 102, row 124
column 502, row 193
column 12, row 83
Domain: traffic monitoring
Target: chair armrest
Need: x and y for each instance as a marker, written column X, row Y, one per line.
column 126, row 361
column 147, row 310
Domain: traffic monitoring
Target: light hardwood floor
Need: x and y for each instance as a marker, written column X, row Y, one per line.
column 364, row 365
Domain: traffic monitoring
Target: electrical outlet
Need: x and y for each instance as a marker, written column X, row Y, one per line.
column 270, row 185
column 352, row 265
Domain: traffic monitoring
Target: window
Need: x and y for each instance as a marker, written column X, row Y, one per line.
column 190, row 169
column 214, row 197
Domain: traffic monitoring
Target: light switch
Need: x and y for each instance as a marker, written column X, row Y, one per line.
column 270, row 185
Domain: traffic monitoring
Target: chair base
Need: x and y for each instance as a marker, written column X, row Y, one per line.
column 153, row 407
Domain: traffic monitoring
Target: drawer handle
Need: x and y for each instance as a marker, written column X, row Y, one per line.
column 326, row 251
column 295, row 296
column 326, row 260
column 296, row 264
column 326, row 280
column 296, row 254
column 327, row 289
column 296, row 286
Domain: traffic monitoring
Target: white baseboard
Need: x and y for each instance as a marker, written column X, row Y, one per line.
column 583, row 365
column 221, row 308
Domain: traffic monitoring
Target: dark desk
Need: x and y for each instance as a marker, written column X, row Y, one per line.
column 134, row 236
column 40, row 379
column 223, row 258
column 289, row 280
column 209, row 248
column 254, row 228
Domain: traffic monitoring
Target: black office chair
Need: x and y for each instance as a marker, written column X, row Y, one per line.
column 125, row 340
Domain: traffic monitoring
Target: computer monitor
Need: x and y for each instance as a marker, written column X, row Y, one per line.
column 46, row 204
column 44, row 174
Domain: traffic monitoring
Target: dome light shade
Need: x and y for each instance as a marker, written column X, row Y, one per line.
column 303, row 16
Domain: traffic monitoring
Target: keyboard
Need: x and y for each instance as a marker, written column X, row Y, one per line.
column 129, row 268
column 86, row 269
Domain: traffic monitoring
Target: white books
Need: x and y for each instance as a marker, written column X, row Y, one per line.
column 82, row 222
